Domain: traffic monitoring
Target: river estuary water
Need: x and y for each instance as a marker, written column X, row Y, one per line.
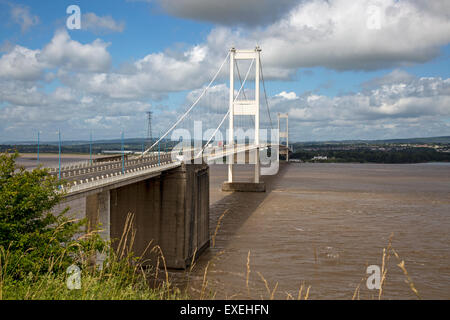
column 321, row 225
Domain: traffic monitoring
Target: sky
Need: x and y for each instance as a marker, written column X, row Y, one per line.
column 367, row 69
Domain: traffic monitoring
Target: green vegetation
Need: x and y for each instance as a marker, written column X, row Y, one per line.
column 84, row 148
column 429, row 140
column 118, row 280
column 27, row 228
column 37, row 247
column 365, row 154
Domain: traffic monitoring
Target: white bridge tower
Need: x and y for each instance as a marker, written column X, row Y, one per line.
column 284, row 134
column 244, row 108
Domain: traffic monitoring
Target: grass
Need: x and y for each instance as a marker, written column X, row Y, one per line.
column 121, row 276
column 385, row 258
column 94, row 287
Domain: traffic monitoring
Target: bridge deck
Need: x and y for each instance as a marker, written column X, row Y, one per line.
column 83, row 178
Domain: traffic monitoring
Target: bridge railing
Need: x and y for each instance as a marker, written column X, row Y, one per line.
column 98, row 181
column 87, row 168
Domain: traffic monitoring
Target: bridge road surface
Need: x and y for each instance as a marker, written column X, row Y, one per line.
column 83, row 171
column 99, row 170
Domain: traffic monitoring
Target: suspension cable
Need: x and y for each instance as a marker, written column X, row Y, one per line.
column 190, row 108
column 226, row 115
column 265, row 93
column 243, row 92
column 240, row 80
column 245, row 79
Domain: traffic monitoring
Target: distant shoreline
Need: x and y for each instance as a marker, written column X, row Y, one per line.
column 390, row 163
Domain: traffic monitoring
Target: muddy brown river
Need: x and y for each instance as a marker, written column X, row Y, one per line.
column 321, row 225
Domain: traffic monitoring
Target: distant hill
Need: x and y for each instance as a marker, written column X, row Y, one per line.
column 443, row 139
column 79, row 142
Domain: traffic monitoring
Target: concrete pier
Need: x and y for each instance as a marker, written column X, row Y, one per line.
column 170, row 210
column 246, row 157
column 97, row 213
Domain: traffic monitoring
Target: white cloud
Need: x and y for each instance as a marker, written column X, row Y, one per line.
column 287, row 95
column 23, row 17
column 72, row 55
column 315, row 33
column 24, row 93
column 28, row 109
column 64, row 95
column 153, row 76
column 410, row 107
column 334, row 34
column 212, row 107
column 21, row 64
column 330, row 34
column 197, row 54
column 438, row 7
column 396, row 76
column 90, row 21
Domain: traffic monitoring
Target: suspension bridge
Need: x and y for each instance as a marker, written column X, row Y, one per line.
column 168, row 192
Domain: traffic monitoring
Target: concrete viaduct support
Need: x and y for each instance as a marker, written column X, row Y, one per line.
column 171, row 209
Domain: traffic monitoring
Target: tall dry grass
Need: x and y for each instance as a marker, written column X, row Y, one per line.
column 120, row 276
column 385, row 258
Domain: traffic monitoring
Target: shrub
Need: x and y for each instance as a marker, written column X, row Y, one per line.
column 29, row 231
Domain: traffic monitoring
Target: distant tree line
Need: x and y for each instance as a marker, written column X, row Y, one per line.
column 409, row 155
column 81, row 148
